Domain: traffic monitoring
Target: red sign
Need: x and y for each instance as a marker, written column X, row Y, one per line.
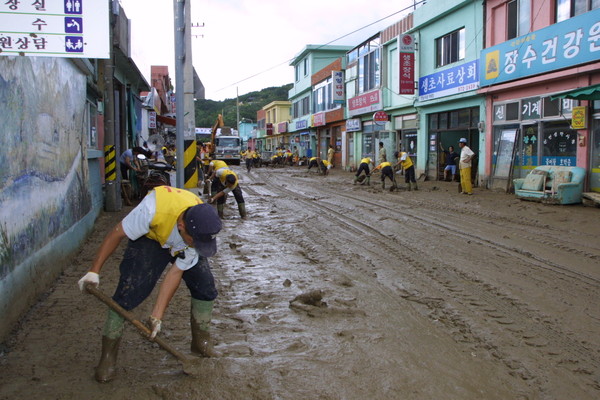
column 319, row 119
column 380, row 116
column 365, row 101
column 407, row 64
column 269, row 129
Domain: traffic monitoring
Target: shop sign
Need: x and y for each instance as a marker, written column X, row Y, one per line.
column 319, row 119
column 365, row 103
column 301, row 124
column 152, row 120
column 269, row 129
column 579, row 117
column 565, row 44
column 380, row 117
column 407, row 64
column 282, row 127
column 339, row 94
column 353, row 125
column 530, row 108
column 73, row 29
column 459, row 79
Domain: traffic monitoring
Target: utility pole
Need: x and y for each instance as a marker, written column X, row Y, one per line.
column 187, row 173
column 237, row 105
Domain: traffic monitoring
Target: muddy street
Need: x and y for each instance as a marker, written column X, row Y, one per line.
column 330, row 290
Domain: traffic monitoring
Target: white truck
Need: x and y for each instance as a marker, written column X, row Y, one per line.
column 228, row 146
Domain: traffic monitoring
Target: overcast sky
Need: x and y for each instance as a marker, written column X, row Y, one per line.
column 247, row 44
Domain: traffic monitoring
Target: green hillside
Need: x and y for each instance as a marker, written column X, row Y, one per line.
column 208, row 110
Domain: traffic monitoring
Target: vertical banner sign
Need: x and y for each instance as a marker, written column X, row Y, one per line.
column 337, row 77
column 55, row 28
column 407, row 64
column 152, row 120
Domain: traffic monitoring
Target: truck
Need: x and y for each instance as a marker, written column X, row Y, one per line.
column 226, row 144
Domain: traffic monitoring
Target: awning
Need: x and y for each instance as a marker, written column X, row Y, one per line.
column 166, row 120
column 586, row 93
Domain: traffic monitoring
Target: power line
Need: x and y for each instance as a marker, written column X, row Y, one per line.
column 414, row 6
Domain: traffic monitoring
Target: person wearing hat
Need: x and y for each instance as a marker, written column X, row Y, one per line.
column 227, row 181
column 406, row 164
column 466, row 155
column 169, row 226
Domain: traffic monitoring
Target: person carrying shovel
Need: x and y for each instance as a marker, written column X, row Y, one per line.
column 169, row 226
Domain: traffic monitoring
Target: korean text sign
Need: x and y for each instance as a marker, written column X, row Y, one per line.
column 459, row 79
column 565, row 44
column 55, row 28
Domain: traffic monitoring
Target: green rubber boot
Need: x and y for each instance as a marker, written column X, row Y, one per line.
column 220, row 208
column 242, row 209
column 111, row 339
column 200, row 320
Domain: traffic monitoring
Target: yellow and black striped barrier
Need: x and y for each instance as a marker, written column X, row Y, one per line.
column 110, row 163
column 190, row 171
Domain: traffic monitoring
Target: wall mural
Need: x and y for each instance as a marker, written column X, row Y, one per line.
column 43, row 165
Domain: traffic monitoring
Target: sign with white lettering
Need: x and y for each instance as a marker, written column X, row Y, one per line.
column 565, row 44
column 339, row 94
column 55, row 28
column 462, row 78
column 364, row 103
column 407, row 64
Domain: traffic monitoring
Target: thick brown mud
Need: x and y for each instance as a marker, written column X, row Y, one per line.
column 330, row 290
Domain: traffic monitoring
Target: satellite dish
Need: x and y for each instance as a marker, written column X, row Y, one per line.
column 155, row 142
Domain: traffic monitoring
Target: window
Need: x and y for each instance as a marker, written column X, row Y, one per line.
column 305, row 66
column 369, row 65
column 450, row 48
column 566, row 9
column 323, row 96
column 518, row 18
column 301, row 107
column 297, row 71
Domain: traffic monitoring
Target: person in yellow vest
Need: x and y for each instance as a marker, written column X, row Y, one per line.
column 226, row 182
column 249, row 159
column 313, row 162
column 169, row 226
column 325, row 166
column 330, row 154
column 364, row 167
column 386, row 172
column 406, row 164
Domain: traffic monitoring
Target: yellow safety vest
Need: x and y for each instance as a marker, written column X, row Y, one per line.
column 224, row 176
column 218, row 164
column 406, row 163
column 170, row 203
column 365, row 160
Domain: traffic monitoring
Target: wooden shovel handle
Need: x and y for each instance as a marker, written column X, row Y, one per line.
column 143, row 329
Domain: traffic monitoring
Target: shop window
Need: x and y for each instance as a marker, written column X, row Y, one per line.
column 443, row 121
column 450, row 48
column 512, row 111
column 453, row 119
column 474, row 117
column 559, row 144
column 368, row 148
column 551, row 107
column 566, row 9
column 529, row 146
column 518, row 18
column 433, row 121
column 464, row 117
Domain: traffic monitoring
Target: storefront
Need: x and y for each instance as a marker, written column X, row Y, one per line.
column 406, row 128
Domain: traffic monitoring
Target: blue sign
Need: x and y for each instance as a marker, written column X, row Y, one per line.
column 565, row 44
column 462, row 78
column 73, row 6
column 73, row 25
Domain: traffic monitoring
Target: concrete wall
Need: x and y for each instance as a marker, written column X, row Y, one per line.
column 47, row 206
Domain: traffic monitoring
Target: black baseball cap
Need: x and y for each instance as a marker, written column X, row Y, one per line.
column 202, row 223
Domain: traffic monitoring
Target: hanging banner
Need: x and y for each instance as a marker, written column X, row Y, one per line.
column 407, row 64
column 339, row 95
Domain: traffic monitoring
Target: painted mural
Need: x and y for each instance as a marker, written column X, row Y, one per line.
column 43, row 166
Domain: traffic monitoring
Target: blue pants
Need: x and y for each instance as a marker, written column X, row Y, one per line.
column 144, row 262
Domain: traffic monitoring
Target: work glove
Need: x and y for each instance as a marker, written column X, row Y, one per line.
column 211, row 200
column 155, row 324
column 90, row 277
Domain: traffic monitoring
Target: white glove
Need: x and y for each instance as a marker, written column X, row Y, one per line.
column 90, row 277
column 211, row 200
column 155, row 324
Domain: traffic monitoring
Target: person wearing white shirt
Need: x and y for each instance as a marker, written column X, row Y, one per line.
column 466, row 155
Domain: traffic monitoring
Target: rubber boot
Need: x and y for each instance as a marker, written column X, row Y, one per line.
column 355, row 180
column 242, row 209
column 106, row 369
column 200, row 319
column 368, row 181
column 415, row 186
column 382, row 184
column 220, row 208
column 408, row 186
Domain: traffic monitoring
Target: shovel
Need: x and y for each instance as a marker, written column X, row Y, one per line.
column 190, row 365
